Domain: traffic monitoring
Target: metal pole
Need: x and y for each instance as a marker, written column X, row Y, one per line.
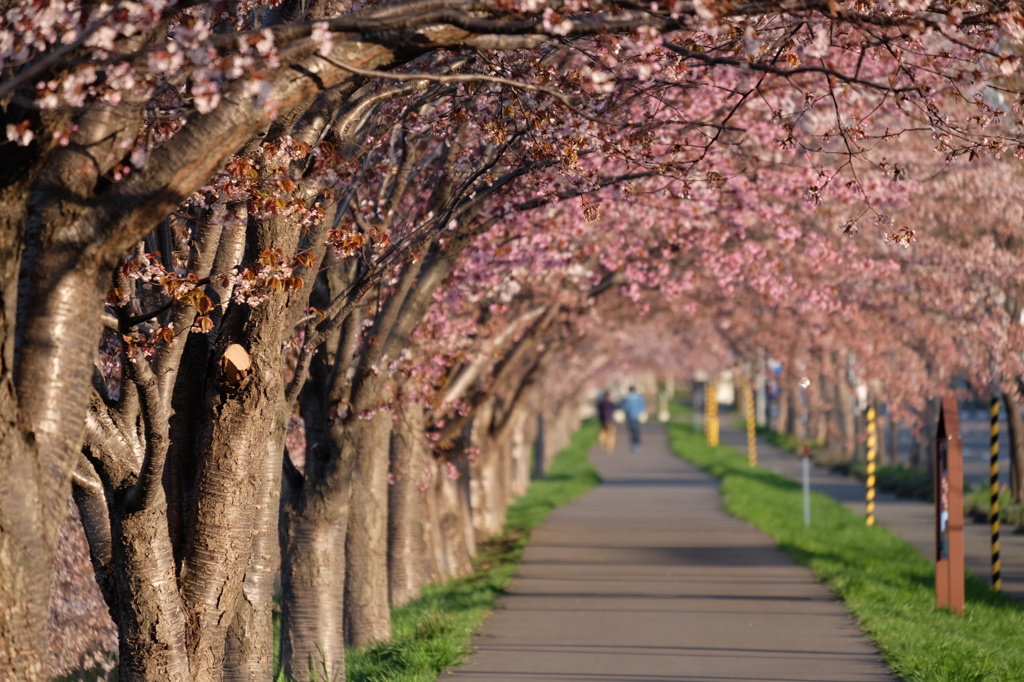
column 748, row 399
column 805, row 466
column 993, row 512
column 872, row 454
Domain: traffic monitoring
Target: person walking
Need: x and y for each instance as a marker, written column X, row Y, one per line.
column 634, row 406
column 606, row 415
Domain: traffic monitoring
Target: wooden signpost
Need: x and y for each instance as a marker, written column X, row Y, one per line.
column 949, row 510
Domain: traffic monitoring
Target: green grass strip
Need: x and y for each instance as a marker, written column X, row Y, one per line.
column 433, row 633
column 887, row 585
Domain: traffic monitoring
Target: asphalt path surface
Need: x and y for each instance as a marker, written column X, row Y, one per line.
column 647, row 579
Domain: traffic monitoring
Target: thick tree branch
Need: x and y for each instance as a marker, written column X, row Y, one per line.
column 155, row 415
column 469, row 374
column 91, row 500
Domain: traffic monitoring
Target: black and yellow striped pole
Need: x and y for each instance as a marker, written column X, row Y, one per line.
column 711, row 414
column 748, row 400
column 993, row 512
column 872, row 453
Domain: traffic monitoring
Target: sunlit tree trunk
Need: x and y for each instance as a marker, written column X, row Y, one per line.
column 435, row 561
column 315, row 505
column 313, row 531
column 250, row 637
column 847, row 416
column 486, row 484
column 782, row 404
column 455, row 519
column 367, row 611
column 406, row 501
column 524, row 435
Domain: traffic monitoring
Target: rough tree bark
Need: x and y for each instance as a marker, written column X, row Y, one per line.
column 312, row 531
column 249, row 650
column 486, row 480
column 76, row 229
column 406, row 545
column 314, row 518
column 367, row 609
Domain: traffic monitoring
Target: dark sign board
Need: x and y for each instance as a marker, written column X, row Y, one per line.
column 949, row 510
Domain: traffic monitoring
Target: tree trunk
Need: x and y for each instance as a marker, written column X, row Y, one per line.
column 817, row 417
column 455, row 527
column 1015, row 427
column 406, row 545
column 486, row 476
column 250, row 638
column 894, row 441
column 847, row 418
column 782, row 413
column 922, row 449
column 367, row 614
column 881, row 443
column 47, row 364
column 39, row 445
column 315, row 507
column 313, row 532
column 798, row 413
column 860, row 425
column 523, row 437
column 539, row 448
column 314, row 521
column 149, row 614
column 436, row 567
column 22, row 617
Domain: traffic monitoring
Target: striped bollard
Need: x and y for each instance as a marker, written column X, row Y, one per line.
column 872, row 453
column 993, row 512
column 712, row 414
column 748, row 399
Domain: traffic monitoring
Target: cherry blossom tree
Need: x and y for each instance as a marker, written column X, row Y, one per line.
column 235, row 137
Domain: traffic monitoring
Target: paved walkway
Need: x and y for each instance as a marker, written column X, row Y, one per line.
column 912, row 520
column 647, row 579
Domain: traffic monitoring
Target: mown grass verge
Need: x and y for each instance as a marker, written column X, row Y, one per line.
column 898, row 480
column 782, row 440
column 884, row 582
column 433, row 634
column 978, row 503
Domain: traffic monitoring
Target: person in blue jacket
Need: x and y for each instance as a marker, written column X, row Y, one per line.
column 634, row 406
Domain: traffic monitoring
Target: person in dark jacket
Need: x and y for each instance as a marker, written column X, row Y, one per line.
column 606, row 415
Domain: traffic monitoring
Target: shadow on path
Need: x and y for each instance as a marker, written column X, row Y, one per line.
column 646, row 578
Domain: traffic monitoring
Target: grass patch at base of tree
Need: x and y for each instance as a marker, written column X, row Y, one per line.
column 885, row 583
column 433, row 633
